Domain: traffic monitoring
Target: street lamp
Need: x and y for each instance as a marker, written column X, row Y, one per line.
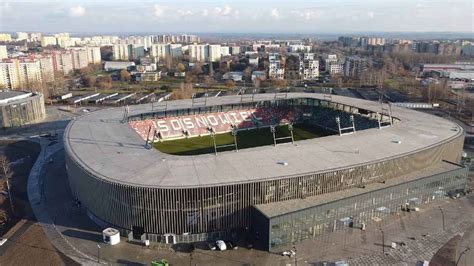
column 383, row 240
column 462, row 253
column 98, row 252
column 294, row 249
column 442, row 213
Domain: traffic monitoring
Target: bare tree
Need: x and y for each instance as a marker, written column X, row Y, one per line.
column 5, row 175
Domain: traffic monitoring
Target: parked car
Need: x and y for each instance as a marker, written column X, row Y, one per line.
column 231, row 245
column 211, row 246
column 289, row 253
column 221, row 245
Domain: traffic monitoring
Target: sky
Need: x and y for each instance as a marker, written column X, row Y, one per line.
column 243, row 16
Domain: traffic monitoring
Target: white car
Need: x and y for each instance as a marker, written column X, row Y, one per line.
column 2, row 241
column 221, row 245
column 288, row 253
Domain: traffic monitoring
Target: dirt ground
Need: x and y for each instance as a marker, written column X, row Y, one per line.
column 27, row 244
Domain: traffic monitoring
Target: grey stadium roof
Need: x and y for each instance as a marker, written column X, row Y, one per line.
column 112, row 150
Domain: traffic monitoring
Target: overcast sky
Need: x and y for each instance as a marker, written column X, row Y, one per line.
column 300, row 16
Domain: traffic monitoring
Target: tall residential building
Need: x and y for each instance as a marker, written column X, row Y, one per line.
column 80, row 58
column 48, row 40
column 5, row 37
column 354, row 66
column 235, row 50
column 276, row 69
column 160, row 50
column 376, row 41
column 3, row 52
column 138, row 51
column 20, row 36
column 62, row 61
column 214, row 52
column 122, row 52
column 47, row 67
column 176, row 50
column 16, row 74
column 333, row 65
column 93, row 55
column 199, row 52
column 35, row 37
column 309, row 67
column 225, row 50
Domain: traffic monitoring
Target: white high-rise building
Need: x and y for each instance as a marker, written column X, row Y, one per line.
column 176, row 50
column 93, row 55
column 3, row 52
column 275, row 69
column 309, row 67
column 20, row 36
column 214, row 53
column 48, row 40
column 80, row 58
column 138, row 50
column 235, row 50
column 160, row 50
column 47, row 67
column 199, row 52
column 333, row 65
column 5, row 37
column 225, row 50
column 121, row 52
column 16, row 74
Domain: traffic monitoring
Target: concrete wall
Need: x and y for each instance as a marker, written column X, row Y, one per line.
column 23, row 112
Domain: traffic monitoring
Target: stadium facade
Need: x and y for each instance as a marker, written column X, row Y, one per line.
column 18, row 108
column 124, row 183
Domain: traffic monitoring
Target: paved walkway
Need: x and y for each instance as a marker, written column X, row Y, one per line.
column 36, row 197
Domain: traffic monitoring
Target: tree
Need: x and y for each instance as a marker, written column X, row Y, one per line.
column 278, row 83
column 185, row 91
column 5, row 175
column 229, row 84
column 247, row 74
column 180, row 67
column 124, row 75
column 89, row 81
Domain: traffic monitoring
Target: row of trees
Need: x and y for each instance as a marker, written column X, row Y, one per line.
column 5, row 186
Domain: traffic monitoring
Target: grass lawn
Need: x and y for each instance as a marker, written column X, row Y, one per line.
column 245, row 139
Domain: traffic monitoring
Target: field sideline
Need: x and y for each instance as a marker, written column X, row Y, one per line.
column 245, row 139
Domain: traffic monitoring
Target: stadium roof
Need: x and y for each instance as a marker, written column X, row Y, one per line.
column 112, row 150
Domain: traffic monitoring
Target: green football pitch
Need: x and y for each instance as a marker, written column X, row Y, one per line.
column 245, row 139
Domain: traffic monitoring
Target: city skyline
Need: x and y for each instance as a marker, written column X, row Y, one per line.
column 244, row 16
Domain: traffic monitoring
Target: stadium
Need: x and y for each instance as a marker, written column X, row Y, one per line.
column 188, row 171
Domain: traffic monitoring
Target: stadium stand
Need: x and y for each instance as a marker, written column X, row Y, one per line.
column 175, row 127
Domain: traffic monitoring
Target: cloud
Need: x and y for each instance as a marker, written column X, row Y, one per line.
column 159, row 11
column 370, row 14
column 77, row 11
column 226, row 11
column 307, row 14
column 274, row 13
column 185, row 13
column 205, row 13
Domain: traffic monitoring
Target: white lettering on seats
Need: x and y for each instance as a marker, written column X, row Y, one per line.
column 188, row 123
column 175, row 124
column 162, row 125
column 212, row 120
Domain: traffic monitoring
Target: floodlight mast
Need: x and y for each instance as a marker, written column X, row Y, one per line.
column 272, row 129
